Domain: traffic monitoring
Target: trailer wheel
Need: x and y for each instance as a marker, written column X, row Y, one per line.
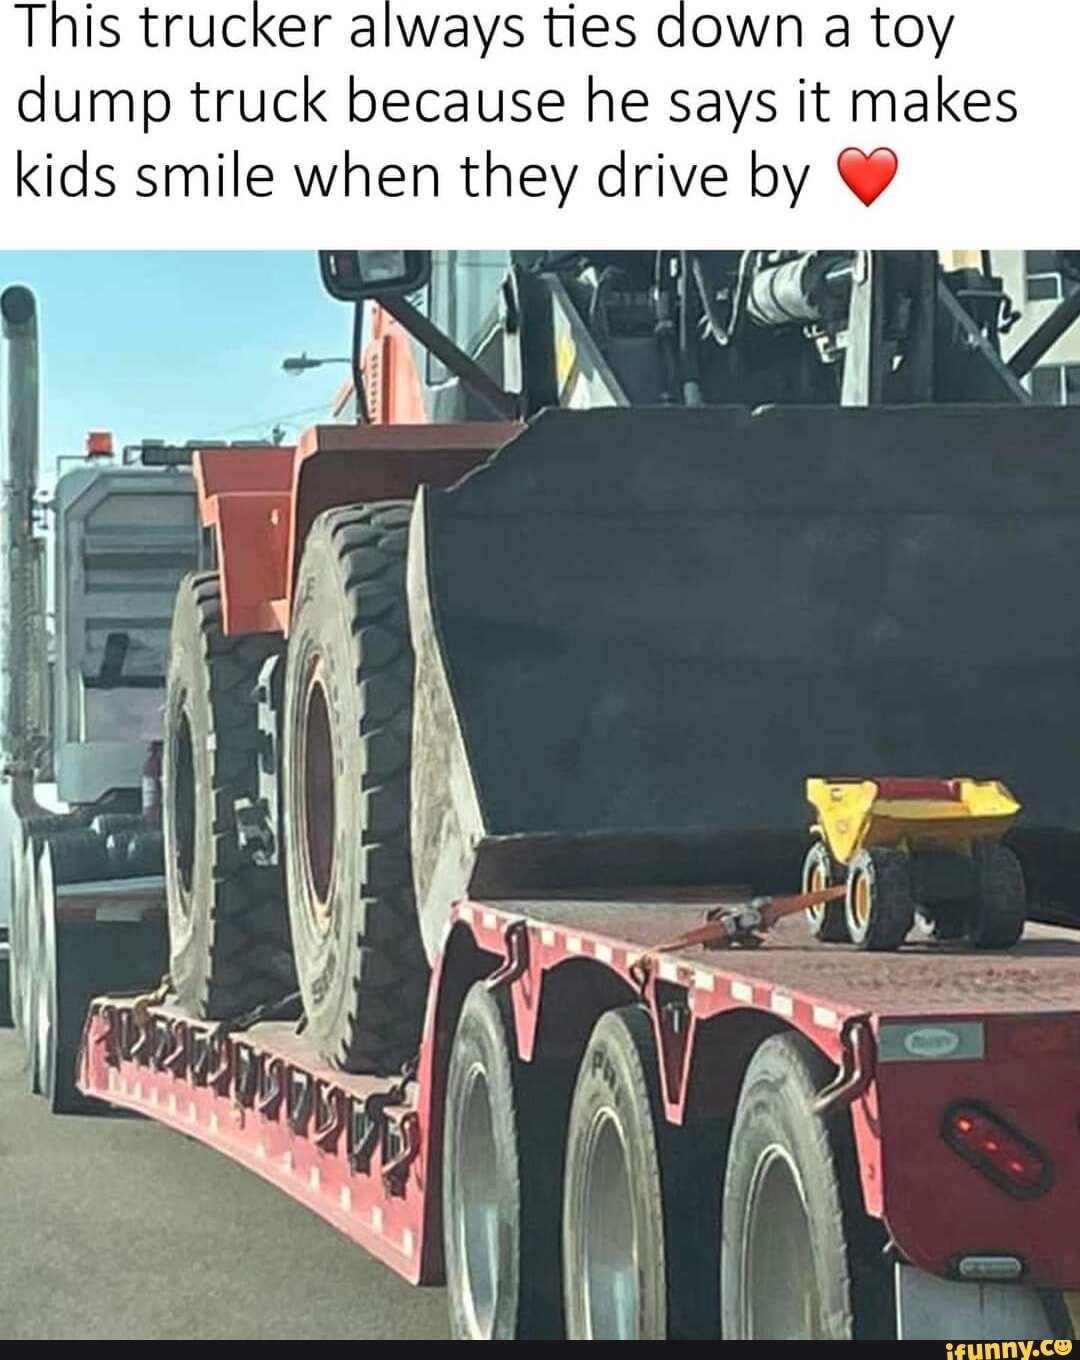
column 32, row 998
column 1000, row 908
column 639, row 1205
column 879, row 908
column 347, row 749
column 826, row 921
column 63, row 995
column 799, row 1259
column 501, row 1157
column 228, row 929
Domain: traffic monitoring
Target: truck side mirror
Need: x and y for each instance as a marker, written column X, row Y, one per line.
column 356, row 275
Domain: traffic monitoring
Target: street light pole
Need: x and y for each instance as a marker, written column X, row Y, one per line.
column 300, row 363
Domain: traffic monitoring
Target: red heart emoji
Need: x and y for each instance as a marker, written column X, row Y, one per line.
column 867, row 176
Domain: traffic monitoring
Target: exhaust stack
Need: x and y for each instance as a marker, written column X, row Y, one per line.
column 24, row 663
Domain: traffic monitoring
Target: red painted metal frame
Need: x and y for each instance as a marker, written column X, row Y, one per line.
column 936, row 1206
column 261, row 502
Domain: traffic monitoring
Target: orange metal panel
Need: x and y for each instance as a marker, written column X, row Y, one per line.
column 244, row 497
column 219, row 472
column 253, row 539
column 395, row 394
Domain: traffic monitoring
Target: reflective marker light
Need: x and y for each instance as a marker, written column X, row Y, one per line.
column 999, row 1152
column 990, row 1267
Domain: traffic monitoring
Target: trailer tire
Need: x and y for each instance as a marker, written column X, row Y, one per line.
column 820, row 871
column 62, row 1000
column 640, row 1199
column 879, row 907
column 228, row 928
column 1000, row 908
column 347, row 749
column 792, row 1211
column 25, row 915
column 500, row 1159
column 33, row 998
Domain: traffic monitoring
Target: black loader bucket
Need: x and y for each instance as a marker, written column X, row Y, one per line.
column 639, row 631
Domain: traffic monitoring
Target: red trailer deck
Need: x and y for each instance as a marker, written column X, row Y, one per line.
column 933, row 1047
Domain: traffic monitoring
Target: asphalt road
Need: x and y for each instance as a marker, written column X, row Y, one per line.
column 116, row 1228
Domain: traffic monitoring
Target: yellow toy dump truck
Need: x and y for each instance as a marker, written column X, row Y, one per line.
column 914, row 847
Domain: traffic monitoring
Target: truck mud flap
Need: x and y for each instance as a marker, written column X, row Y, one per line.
column 655, row 622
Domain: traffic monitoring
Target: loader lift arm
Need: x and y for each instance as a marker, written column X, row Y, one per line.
column 690, row 328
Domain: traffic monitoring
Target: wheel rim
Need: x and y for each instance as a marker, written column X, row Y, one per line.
column 184, row 806
column 319, row 813
column 610, row 1256
column 778, row 1283
column 860, row 901
column 477, row 1206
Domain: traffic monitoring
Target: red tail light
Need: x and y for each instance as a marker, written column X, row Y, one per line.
column 1003, row 1155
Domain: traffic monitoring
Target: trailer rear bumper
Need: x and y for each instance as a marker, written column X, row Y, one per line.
column 932, row 1309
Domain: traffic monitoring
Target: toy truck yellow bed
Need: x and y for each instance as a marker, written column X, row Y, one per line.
column 907, row 848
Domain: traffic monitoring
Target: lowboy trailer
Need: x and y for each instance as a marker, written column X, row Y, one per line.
column 491, row 699
column 806, row 1139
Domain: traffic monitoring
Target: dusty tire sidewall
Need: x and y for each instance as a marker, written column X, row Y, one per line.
column 611, row 1083
column 481, row 1042
column 320, row 633
column 774, row 1112
column 188, row 696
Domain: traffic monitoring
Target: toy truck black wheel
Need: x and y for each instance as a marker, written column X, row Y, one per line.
column 1000, row 907
column 500, row 1161
column 639, row 1202
column 228, row 928
column 826, row 921
column 799, row 1259
column 347, row 749
column 879, row 908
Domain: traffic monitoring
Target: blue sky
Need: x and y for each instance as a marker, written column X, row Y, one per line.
column 178, row 345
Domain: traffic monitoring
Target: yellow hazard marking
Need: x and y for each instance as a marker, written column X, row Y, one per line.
column 565, row 358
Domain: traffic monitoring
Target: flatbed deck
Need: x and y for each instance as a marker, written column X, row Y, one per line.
column 1042, row 973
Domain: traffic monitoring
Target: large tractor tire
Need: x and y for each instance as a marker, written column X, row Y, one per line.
column 228, row 929
column 347, row 743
